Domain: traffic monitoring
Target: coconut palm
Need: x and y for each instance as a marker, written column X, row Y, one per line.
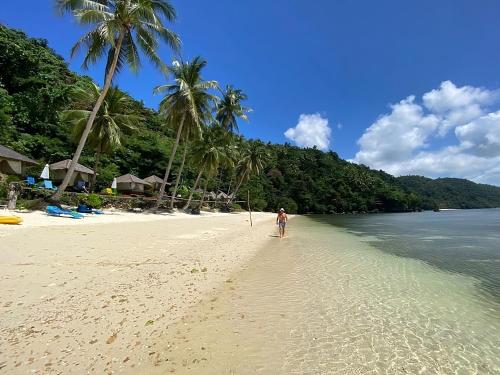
column 208, row 155
column 187, row 103
column 119, row 29
column 113, row 121
column 189, row 132
column 229, row 109
column 251, row 163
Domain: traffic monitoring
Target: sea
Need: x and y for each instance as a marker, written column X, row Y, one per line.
column 410, row 293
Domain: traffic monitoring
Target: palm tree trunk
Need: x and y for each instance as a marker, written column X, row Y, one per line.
column 91, row 119
column 178, row 179
column 169, row 166
column 204, row 191
column 192, row 190
column 96, row 167
column 237, row 188
column 219, row 180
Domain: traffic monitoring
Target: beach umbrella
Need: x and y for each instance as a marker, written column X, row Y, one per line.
column 45, row 172
column 113, row 184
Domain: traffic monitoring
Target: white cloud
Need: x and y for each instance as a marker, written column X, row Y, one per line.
column 458, row 105
column 311, row 130
column 402, row 141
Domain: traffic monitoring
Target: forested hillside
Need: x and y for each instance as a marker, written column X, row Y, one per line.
column 35, row 87
column 452, row 192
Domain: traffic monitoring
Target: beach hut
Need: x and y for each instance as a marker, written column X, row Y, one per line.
column 82, row 173
column 211, row 195
column 12, row 162
column 129, row 183
column 222, row 196
column 155, row 182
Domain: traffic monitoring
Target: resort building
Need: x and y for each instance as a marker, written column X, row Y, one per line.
column 12, row 162
column 81, row 174
column 155, row 182
column 131, row 184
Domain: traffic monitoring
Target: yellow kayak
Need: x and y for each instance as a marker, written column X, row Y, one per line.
column 10, row 219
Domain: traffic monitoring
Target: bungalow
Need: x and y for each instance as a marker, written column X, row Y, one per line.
column 129, row 183
column 58, row 172
column 12, row 162
column 155, row 182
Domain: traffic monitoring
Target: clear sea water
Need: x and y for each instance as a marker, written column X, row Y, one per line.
column 410, row 293
column 461, row 241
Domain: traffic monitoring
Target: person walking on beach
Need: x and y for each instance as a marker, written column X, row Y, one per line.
column 281, row 221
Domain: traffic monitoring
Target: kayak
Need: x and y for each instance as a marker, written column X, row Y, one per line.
column 10, row 219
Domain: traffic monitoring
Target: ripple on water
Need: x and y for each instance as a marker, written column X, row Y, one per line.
column 324, row 302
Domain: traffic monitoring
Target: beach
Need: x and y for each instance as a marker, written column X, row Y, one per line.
column 98, row 294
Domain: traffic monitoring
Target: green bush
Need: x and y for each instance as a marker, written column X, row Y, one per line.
column 258, row 204
column 93, row 200
column 236, row 207
column 288, row 204
column 183, row 191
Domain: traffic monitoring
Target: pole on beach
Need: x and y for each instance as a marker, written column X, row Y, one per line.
column 249, row 209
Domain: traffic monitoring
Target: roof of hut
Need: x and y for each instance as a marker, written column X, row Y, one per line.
column 64, row 164
column 9, row 153
column 128, row 178
column 155, row 180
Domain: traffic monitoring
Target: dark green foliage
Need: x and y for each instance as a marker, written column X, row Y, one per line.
column 451, row 192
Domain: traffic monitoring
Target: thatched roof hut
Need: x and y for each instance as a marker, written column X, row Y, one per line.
column 12, row 162
column 155, row 182
column 128, row 183
column 58, row 172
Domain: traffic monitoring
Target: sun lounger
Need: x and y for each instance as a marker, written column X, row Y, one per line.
column 56, row 211
column 84, row 209
column 47, row 184
column 30, row 181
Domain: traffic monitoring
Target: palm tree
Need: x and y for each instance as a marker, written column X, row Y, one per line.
column 252, row 162
column 208, row 154
column 120, row 28
column 187, row 103
column 187, row 135
column 114, row 120
column 229, row 109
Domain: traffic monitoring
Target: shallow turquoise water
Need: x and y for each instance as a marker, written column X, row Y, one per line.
column 462, row 241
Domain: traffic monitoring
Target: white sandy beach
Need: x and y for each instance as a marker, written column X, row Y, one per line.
column 96, row 295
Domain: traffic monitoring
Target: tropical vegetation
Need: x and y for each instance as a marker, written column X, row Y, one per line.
column 119, row 30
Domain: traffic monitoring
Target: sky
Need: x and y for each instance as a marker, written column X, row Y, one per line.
column 407, row 87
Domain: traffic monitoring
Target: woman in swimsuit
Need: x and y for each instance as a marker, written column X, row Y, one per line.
column 281, row 221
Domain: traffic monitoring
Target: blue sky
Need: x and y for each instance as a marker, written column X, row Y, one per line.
column 334, row 62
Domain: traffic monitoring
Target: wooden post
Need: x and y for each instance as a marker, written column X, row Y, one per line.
column 249, row 209
column 12, row 197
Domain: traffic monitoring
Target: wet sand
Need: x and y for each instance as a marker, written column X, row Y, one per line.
column 101, row 298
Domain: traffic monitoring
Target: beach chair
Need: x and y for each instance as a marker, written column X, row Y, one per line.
column 80, row 186
column 30, row 181
column 47, row 184
column 56, row 211
column 84, row 209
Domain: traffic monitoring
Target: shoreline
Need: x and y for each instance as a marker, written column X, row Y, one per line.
column 88, row 298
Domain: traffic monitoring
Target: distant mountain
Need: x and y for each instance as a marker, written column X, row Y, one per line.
column 452, row 192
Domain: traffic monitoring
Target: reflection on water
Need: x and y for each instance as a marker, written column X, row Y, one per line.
column 324, row 302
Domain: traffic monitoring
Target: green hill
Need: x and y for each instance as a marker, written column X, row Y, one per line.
column 34, row 88
column 452, row 192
